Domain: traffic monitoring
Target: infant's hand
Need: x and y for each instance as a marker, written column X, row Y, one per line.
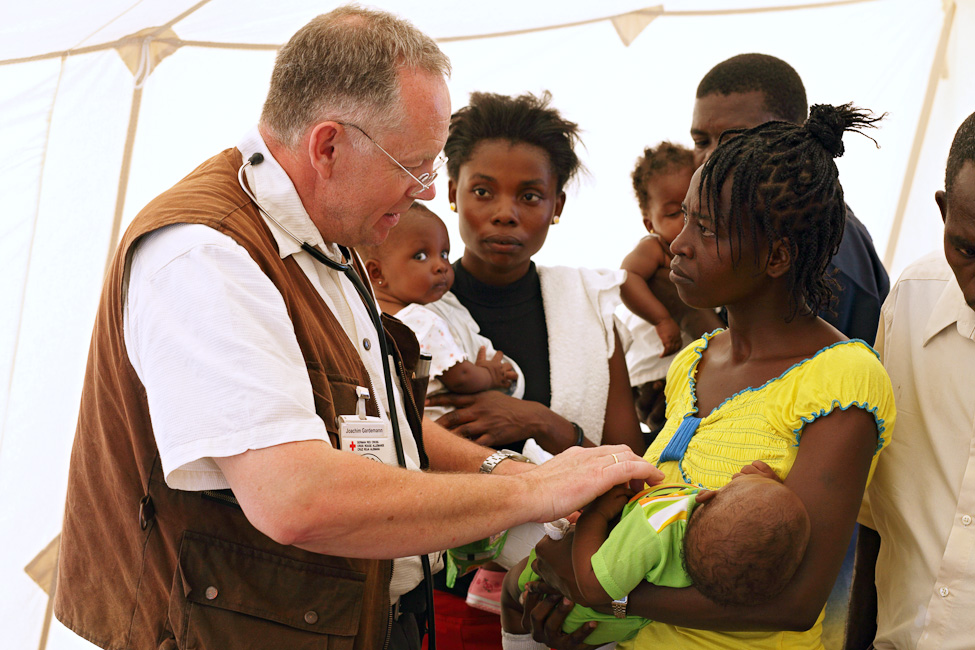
column 759, row 468
column 669, row 332
column 502, row 374
column 609, row 504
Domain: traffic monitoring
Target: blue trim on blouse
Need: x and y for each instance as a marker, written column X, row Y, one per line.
column 677, row 445
column 836, row 403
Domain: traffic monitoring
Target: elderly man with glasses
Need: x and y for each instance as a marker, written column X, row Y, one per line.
column 224, row 490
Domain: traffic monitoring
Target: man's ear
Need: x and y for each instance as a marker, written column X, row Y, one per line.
column 321, row 147
column 780, row 259
column 375, row 272
column 942, row 200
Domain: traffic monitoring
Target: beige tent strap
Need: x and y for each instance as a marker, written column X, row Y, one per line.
column 123, row 180
column 937, row 67
column 654, row 12
column 117, row 44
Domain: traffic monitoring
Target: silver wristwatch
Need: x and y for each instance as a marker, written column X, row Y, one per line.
column 619, row 607
column 504, row 454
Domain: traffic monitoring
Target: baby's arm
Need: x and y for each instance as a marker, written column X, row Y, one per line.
column 640, row 265
column 483, row 374
column 591, row 531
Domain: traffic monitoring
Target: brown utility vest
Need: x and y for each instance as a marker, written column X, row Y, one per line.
column 145, row 566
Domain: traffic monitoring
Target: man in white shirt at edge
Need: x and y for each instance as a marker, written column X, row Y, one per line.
column 914, row 578
column 228, row 390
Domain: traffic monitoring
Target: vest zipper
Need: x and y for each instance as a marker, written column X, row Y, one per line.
column 222, row 497
column 389, row 619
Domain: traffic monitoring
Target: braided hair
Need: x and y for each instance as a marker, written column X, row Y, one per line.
column 784, row 182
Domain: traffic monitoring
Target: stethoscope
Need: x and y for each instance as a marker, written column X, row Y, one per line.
column 367, row 298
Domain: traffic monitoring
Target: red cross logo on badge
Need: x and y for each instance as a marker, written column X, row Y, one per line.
column 352, row 445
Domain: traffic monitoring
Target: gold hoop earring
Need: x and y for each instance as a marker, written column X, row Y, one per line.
column 555, row 219
column 453, row 207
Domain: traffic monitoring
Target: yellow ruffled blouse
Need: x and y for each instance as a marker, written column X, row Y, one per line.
column 763, row 423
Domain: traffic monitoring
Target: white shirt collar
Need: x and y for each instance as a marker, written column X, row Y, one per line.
column 951, row 308
column 277, row 195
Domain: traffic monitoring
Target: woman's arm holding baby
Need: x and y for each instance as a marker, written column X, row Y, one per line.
column 829, row 476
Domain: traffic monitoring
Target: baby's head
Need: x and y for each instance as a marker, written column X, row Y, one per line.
column 660, row 181
column 744, row 542
column 412, row 265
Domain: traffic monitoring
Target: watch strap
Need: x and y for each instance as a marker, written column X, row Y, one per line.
column 619, row 607
column 497, row 457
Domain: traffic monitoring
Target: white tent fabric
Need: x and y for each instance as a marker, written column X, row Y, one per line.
column 104, row 104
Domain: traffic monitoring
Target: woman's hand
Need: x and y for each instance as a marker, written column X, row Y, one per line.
column 493, row 419
column 544, row 613
column 553, row 562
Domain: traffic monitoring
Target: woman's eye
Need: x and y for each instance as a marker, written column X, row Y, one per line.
column 480, row 191
column 705, row 231
column 532, row 197
column 420, row 257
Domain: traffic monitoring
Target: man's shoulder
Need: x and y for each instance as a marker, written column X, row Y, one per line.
column 922, row 280
column 932, row 266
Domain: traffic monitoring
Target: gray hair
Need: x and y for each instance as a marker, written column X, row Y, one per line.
column 344, row 65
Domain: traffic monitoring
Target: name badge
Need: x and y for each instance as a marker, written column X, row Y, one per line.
column 366, row 435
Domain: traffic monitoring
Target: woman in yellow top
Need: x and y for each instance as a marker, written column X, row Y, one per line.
column 763, row 217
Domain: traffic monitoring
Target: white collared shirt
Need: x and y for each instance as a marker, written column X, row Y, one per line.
column 922, row 497
column 210, row 338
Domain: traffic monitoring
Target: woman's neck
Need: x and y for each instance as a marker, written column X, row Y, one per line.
column 764, row 334
column 493, row 275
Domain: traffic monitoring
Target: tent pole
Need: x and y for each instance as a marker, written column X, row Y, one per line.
column 937, row 66
column 49, row 611
column 123, row 182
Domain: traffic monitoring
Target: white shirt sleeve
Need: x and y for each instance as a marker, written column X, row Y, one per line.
column 209, row 337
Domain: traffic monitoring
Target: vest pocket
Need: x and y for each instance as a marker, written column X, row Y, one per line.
column 226, row 595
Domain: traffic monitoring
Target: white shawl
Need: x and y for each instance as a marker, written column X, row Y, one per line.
column 579, row 306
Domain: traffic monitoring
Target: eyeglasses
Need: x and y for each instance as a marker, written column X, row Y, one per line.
column 424, row 180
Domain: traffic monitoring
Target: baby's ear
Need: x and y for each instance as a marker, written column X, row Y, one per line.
column 705, row 495
column 374, row 270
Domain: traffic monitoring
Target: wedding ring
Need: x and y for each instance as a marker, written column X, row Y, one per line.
column 615, row 459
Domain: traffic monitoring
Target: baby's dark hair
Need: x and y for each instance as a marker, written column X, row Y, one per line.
column 524, row 119
column 785, row 184
column 416, row 211
column 740, row 551
column 662, row 159
column 785, row 96
column 962, row 151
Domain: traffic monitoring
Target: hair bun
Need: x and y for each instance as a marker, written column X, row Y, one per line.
column 827, row 123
